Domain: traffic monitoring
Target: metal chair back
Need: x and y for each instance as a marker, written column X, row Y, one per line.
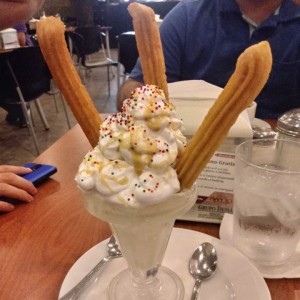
column 90, row 51
column 24, row 77
column 92, row 36
column 29, row 72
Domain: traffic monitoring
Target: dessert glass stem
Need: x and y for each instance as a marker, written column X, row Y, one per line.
column 143, row 256
column 144, row 279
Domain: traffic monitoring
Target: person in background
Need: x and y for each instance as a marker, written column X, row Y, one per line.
column 202, row 40
column 23, row 36
column 12, row 185
column 15, row 114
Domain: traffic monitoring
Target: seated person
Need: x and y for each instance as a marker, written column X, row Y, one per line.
column 23, row 36
column 14, row 111
column 203, row 39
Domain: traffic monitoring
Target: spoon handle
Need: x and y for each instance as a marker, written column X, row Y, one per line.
column 78, row 288
column 196, row 289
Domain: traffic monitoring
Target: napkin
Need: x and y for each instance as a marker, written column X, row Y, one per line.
column 193, row 98
column 9, row 39
column 291, row 269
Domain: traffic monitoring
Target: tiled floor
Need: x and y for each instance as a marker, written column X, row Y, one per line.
column 16, row 145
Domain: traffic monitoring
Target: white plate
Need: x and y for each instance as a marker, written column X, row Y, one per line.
column 236, row 277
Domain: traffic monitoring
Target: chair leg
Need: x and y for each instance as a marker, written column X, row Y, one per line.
column 28, row 119
column 30, row 113
column 66, row 111
column 108, row 80
column 118, row 75
column 41, row 113
column 54, row 93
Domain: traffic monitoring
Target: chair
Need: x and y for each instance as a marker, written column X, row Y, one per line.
column 127, row 53
column 24, row 78
column 90, row 50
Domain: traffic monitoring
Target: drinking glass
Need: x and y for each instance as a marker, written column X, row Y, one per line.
column 143, row 234
column 266, row 209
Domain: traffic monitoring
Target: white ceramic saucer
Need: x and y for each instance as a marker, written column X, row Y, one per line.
column 236, row 277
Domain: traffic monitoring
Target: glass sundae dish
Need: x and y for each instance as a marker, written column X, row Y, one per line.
column 129, row 181
column 143, row 234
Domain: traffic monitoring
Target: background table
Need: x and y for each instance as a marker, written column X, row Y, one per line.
column 40, row 241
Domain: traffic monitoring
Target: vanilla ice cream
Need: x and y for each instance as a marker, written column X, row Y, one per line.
column 133, row 161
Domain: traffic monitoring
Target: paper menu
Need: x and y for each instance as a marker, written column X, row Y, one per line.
column 193, row 99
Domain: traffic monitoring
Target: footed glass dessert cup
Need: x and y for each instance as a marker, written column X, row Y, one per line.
column 143, row 234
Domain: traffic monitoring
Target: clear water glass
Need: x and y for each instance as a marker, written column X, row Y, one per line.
column 266, row 206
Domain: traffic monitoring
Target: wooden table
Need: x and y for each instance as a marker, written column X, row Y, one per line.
column 40, row 241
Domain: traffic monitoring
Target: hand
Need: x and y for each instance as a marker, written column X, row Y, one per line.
column 14, row 187
column 13, row 12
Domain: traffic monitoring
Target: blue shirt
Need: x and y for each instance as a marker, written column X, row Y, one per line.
column 202, row 39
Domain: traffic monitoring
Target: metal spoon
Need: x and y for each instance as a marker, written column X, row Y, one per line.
column 203, row 265
column 113, row 252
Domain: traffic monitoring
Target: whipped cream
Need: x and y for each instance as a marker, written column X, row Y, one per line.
column 133, row 161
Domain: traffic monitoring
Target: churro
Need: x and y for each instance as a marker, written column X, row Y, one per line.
column 251, row 73
column 51, row 38
column 149, row 46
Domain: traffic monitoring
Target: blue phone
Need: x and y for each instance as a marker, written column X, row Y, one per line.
column 40, row 172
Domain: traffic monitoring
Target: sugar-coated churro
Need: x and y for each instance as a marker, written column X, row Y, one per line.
column 251, row 73
column 51, row 38
column 149, row 46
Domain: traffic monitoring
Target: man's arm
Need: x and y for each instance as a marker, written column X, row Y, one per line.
column 21, row 38
column 13, row 12
column 125, row 91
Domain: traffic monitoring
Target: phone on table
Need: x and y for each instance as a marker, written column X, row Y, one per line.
column 40, row 172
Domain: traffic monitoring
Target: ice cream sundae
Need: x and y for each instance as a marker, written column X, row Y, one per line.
column 129, row 180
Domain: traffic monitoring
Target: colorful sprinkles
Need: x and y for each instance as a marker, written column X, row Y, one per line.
column 141, row 137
